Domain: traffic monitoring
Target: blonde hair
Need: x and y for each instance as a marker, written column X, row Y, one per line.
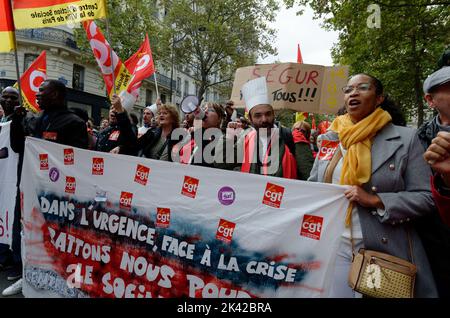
column 303, row 125
column 174, row 115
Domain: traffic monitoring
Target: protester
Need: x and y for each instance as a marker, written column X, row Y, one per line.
column 435, row 229
column 194, row 153
column 118, row 137
column 389, row 184
column 10, row 259
column 149, row 120
column 56, row 123
column 255, row 150
column 83, row 114
column 301, row 132
column 157, row 143
column 104, row 123
column 134, row 123
column 2, row 113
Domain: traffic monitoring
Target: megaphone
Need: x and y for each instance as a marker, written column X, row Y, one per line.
column 190, row 104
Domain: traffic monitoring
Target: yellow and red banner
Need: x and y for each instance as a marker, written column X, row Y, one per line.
column 32, row 14
column 6, row 27
column 31, row 80
column 102, row 52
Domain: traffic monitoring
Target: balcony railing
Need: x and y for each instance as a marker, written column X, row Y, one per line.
column 163, row 81
column 50, row 35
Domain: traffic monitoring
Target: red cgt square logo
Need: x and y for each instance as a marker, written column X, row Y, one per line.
column 125, row 200
column 69, row 157
column 163, row 218
column 43, row 158
column 327, row 149
column 273, row 195
column 71, row 185
column 190, row 187
column 312, row 227
column 142, row 173
column 225, row 231
column 98, row 166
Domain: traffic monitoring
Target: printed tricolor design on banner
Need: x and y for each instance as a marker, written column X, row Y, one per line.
column 89, row 235
column 6, row 27
column 34, row 14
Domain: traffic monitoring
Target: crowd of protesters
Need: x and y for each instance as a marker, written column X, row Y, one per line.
column 393, row 204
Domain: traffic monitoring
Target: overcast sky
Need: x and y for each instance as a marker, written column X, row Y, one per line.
column 315, row 42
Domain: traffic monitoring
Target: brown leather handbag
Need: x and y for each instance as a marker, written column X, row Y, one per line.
column 381, row 275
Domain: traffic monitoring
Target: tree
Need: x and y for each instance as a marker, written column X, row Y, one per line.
column 401, row 53
column 212, row 38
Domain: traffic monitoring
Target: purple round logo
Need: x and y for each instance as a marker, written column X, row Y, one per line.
column 54, row 174
column 226, row 196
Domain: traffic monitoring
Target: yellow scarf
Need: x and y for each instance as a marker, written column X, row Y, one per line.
column 357, row 139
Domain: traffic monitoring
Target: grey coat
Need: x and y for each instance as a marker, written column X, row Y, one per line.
column 401, row 178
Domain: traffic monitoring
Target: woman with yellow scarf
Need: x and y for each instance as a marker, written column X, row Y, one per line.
column 389, row 184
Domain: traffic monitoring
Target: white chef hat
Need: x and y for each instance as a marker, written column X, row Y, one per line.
column 255, row 93
column 153, row 108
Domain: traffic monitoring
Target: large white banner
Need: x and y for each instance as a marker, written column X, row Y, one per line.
column 8, row 184
column 102, row 225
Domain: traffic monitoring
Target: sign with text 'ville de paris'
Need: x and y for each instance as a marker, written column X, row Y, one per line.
column 299, row 87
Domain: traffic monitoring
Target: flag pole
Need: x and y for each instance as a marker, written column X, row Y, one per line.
column 111, row 52
column 156, row 85
column 16, row 55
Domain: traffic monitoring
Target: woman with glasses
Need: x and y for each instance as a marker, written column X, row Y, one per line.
column 387, row 179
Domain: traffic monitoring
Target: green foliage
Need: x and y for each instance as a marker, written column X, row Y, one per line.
column 402, row 53
column 212, row 38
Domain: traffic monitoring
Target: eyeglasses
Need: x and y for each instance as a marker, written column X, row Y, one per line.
column 363, row 87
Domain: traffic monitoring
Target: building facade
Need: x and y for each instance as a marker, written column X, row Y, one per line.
column 86, row 88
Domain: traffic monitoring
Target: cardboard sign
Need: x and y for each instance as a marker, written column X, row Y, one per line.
column 299, row 87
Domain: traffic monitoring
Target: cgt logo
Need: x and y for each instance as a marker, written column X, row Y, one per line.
column 273, row 195
column 43, row 158
column 163, row 218
column 142, row 173
column 69, row 157
column 71, row 185
column 125, row 200
column 225, row 231
column 311, row 226
column 190, row 187
column 98, row 166
column 328, row 149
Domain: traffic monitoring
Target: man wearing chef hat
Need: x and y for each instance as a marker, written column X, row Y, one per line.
column 273, row 143
column 149, row 119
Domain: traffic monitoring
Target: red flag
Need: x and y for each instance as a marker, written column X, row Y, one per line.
column 313, row 123
column 6, row 27
column 31, row 80
column 323, row 126
column 101, row 49
column 140, row 65
column 299, row 55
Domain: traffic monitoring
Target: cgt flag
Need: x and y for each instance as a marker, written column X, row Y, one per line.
column 31, row 80
column 101, row 49
column 6, row 27
column 33, row 14
column 141, row 65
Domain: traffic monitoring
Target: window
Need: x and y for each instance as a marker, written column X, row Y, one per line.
column 148, row 97
column 78, row 77
column 178, row 86
column 186, row 88
column 28, row 60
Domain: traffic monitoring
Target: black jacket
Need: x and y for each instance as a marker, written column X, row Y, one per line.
column 120, row 134
column 434, row 233
column 147, row 141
